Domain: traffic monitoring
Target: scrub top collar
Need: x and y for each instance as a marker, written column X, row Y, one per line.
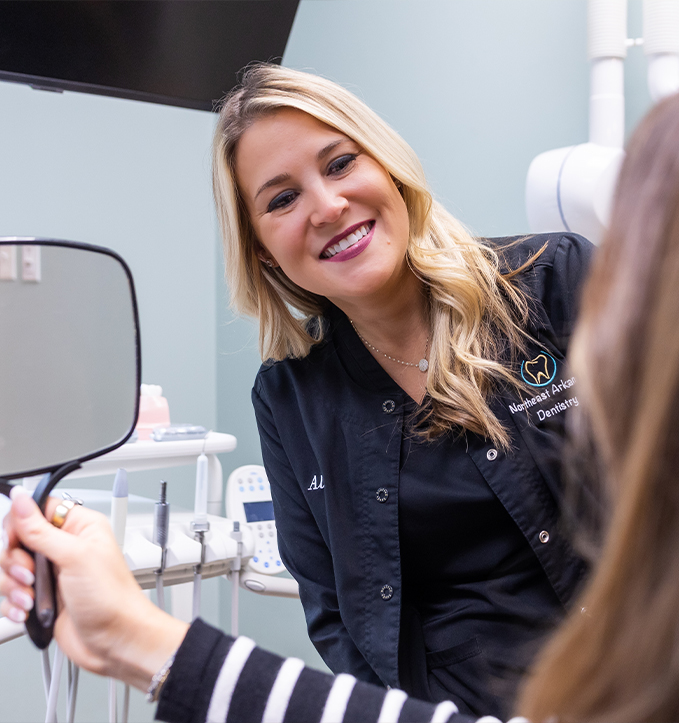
column 359, row 363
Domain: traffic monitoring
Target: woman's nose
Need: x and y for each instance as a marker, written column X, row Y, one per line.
column 328, row 205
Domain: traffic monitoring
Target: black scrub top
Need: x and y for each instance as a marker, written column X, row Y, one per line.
column 332, row 430
column 484, row 608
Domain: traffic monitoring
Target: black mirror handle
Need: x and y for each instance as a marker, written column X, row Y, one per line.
column 40, row 621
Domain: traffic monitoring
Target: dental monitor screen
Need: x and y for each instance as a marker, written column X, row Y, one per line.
column 258, row 511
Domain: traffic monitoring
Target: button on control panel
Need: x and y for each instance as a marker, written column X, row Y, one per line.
column 248, row 500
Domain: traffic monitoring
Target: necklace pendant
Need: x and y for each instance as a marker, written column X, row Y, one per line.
column 423, row 365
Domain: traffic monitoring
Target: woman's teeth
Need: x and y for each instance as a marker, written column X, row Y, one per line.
column 348, row 240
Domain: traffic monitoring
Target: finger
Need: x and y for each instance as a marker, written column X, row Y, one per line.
column 18, row 565
column 8, row 586
column 36, row 532
column 16, row 556
column 14, row 613
column 9, row 538
column 77, row 519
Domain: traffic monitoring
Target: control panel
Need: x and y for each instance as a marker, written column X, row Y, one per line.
column 248, row 500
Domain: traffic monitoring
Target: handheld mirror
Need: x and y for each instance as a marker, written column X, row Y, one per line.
column 69, row 372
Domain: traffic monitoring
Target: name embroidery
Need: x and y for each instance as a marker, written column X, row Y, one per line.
column 546, row 395
column 316, row 484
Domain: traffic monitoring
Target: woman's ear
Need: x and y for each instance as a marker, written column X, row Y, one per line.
column 398, row 184
column 264, row 257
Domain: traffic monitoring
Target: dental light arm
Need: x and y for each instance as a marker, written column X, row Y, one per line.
column 571, row 189
column 661, row 46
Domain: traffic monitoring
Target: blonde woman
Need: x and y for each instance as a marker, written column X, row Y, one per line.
column 412, row 398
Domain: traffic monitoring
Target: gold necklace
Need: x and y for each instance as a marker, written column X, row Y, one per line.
column 422, row 365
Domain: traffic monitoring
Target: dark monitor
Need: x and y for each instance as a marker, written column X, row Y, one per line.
column 177, row 52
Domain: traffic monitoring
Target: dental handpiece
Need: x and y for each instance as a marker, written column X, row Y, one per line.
column 161, row 520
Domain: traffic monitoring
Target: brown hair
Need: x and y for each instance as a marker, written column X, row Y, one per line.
column 477, row 313
column 617, row 656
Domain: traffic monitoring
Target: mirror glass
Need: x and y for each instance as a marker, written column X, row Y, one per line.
column 68, row 357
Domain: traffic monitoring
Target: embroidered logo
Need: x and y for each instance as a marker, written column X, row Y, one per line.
column 540, row 371
column 316, row 483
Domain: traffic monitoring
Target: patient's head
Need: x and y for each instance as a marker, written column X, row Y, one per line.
column 626, row 348
column 618, row 659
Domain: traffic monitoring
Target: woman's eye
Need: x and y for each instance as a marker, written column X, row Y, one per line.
column 341, row 164
column 281, row 201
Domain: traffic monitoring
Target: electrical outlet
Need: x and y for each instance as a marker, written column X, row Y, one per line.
column 8, row 263
column 30, row 263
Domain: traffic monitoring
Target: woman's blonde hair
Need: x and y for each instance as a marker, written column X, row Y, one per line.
column 616, row 659
column 477, row 313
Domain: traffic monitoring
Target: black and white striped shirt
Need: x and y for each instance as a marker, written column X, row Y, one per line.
column 219, row 679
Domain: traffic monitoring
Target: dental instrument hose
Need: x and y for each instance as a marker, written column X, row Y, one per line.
column 52, row 698
column 73, row 675
column 119, row 497
column 161, row 519
column 199, row 526
column 237, row 535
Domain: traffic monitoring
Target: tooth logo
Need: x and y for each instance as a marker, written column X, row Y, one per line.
column 540, row 371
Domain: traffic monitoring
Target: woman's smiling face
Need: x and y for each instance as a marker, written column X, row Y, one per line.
column 323, row 210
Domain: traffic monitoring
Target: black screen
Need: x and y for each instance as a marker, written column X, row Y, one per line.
column 178, row 52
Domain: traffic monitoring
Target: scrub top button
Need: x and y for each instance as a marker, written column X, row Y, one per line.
column 544, row 536
column 388, row 406
column 387, row 592
column 382, row 494
column 491, row 454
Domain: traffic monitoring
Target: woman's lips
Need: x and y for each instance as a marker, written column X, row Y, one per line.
column 359, row 237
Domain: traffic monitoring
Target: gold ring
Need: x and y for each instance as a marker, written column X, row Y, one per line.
column 62, row 509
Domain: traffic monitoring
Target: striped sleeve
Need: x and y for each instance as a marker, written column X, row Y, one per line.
column 219, row 679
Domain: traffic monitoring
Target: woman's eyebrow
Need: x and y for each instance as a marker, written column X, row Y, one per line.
column 280, row 178
column 327, row 149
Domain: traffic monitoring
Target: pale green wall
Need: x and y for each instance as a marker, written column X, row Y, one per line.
column 478, row 87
